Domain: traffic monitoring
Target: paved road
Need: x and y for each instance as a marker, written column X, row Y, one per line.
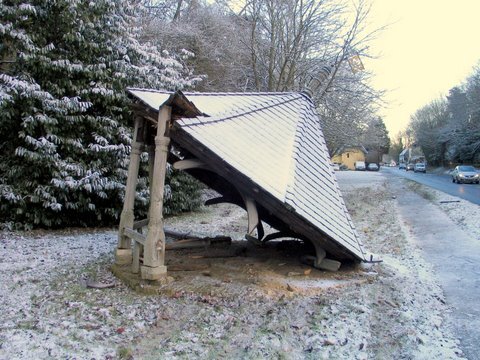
column 455, row 256
column 453, row 253
column 470, row 192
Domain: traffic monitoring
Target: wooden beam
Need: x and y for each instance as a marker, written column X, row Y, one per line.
column 145, row 112
column 253, row 219
column 168, row 232
column 140, row 224
column 190, row 164
column 198, row 242
column 220, row 200
column 136, row 254
column 151, row 163
column 127, row 216
column 320, row 261
column 154, row 250
column 176, row 234
column 135, row 235
column 250, row 206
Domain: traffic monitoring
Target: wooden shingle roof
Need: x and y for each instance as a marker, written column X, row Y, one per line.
column 271, row 147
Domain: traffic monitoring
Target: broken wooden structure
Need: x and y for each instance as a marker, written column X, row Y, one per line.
column 262, row 151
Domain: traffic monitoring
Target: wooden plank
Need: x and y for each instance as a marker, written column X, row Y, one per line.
column 136, row 252
column 168, row 232
column 127, row 215
column 140, row 224
column 198, row 242
column 176, row 234
column 135, row 236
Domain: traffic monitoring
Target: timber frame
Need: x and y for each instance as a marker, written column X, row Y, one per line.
column 142, row 245
column 151, row 245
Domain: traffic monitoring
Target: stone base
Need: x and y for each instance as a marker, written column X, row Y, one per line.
column 153, row 273
column 123, row 256
column 330, row 265
column 124, row 273
column 323, row 264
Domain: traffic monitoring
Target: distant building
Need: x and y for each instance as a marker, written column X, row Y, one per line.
column 413, row 154
column 348, row 155
column 404, row 156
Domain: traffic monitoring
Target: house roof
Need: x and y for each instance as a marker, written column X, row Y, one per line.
column 344, row 148
column 271, row 147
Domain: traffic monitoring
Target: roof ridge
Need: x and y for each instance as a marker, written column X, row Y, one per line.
column 227, row 93
column 232, row 115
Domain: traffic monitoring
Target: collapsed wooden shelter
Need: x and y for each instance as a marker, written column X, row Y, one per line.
column 262, row 151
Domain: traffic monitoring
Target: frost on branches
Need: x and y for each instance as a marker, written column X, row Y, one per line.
column 65, row 125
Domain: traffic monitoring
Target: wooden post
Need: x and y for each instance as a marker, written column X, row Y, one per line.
column 154, row 250
column 137, row 250
column 151, row 163
column 123, row 254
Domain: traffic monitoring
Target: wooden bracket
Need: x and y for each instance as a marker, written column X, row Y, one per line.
column 253, row 218
column 190, row 164
column 320, row 261
column 254, row 221
column 278, row 235
column 220, row 200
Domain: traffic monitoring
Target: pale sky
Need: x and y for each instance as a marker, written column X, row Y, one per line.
column 430, row 47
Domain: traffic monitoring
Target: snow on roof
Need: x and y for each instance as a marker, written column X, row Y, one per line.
column 274, row 140
column 344, row 148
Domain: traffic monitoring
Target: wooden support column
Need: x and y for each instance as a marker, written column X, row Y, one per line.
column 123, row 253
column 321, row 262
column 154, row 250
column 151, row 163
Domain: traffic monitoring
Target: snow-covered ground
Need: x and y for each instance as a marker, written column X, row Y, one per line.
column 247, row 306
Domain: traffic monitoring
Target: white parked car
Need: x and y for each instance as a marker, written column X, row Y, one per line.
column 420, row 167
column 360, row 165
column 336, row 166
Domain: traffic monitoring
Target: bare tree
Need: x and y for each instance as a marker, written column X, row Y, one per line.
column 307, row 45
column 427, row 126
column 286, row 38
column 216, row 37
column 280, row 45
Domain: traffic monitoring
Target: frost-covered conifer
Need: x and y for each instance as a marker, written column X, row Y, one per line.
column 65, row 126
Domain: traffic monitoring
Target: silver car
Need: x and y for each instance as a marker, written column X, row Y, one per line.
column 373, row 167
column 465, row 174
column 419, row 167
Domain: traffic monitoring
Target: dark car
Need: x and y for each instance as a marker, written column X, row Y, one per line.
column 465, row 174
column 410, row 166
column 402, row 166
